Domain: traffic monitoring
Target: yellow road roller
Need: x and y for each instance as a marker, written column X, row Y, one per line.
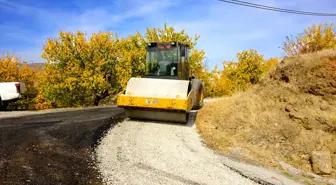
column 167, row 91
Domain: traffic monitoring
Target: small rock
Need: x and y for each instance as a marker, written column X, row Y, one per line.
column 332, row 181
column 313, row 176
column 296, row 116
column 243, row 152
column 289, row 168
column 288, row 109
column 321, row 162
column 304, row 156
column 304, row 120
column 324, row 107
column 321, row 120
column 295, row 157
column 334, row 161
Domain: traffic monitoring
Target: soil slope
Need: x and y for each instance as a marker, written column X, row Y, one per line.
column 286, row 117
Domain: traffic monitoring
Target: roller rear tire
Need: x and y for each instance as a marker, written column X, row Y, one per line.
column 3, row 105
column 198, row 88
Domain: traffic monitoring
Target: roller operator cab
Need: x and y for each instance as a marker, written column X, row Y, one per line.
column 167, row 92
column 167, row 61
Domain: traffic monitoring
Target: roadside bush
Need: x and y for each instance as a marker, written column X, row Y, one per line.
column 41, row 103
column 248, row 70
column 268, row 65
column 216, row 85
column 314, row 38
column 240, row 75
column 14, row 70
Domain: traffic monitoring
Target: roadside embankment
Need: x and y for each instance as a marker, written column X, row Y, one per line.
column 288, row 121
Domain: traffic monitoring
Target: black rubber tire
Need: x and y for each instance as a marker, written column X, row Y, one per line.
column 197, row 87
column 5, row 105
column 2, row 105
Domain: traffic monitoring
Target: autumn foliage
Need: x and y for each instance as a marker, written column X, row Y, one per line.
column 239, row 75
column 314, row 38
column 87, row 70
column 12, row 69
column 82, row 71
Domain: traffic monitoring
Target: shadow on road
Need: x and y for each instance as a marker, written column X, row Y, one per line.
column 190, row 123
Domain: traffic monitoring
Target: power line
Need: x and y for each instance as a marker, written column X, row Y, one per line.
column 281, row 9
column 253, row 5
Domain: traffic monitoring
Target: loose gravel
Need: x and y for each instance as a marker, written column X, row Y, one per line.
column 135, row 152
column 10, row 114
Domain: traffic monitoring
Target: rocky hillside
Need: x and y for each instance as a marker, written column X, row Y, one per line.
column 288, row 121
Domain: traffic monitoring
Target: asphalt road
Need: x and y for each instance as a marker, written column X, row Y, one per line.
column 53, row 148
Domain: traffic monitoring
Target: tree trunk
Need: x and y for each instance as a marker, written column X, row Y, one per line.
column 103, row 95
column 96, row 101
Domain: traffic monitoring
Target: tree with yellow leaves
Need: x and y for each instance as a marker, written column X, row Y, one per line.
column 247, row 71
column 13, row 70
column 82, row 72
column 314, row 38
column 9, row 68
column 240, row 75
column 169, row 34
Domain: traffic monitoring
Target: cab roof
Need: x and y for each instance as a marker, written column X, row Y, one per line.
column 151, row 44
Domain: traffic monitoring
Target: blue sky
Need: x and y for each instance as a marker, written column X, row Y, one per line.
column 225, row 29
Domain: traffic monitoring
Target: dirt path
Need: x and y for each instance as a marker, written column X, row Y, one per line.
column 136, row 152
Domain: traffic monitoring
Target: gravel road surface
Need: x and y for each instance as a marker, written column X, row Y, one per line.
column 135, row 152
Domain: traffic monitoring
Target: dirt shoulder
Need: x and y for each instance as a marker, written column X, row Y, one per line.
column 53, row 148
column 281, row 121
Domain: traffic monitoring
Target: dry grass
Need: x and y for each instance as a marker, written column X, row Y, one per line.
column 287, row 116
